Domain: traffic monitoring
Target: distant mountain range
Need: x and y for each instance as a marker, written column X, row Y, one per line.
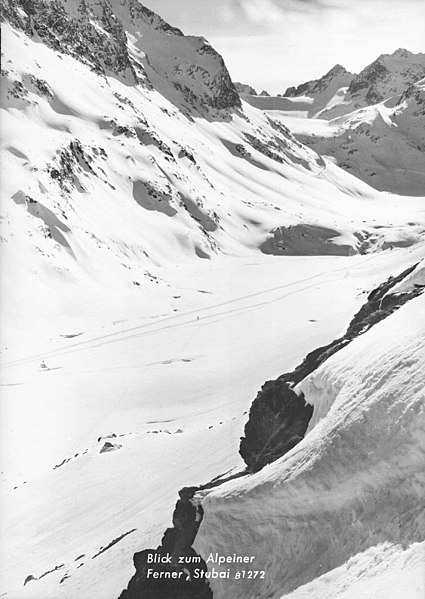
column 372, row 124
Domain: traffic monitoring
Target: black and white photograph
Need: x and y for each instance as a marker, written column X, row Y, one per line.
column 212, row 307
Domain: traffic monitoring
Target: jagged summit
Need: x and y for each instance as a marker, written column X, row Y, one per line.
column 336, row 70
column 387, row 76
column 371, row 123
column 127, row 40
column 318, row 85
column 402, row 53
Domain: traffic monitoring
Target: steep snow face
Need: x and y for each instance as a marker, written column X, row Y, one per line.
column 350, row 493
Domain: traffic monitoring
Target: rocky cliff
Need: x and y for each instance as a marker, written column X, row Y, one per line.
column 279, row 417
column 389, row 75
column 128, row 41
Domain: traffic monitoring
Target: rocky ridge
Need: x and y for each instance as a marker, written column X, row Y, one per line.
column 102, row 34
column 389, row 75
column 376, row 127
column 386, row 77
column 337, row 73
column 243, row 88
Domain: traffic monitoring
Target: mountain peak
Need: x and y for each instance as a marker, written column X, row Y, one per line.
column 388, row 76
column 319, row 85
column 402, row 53
column 336, row 70
column 126, row 40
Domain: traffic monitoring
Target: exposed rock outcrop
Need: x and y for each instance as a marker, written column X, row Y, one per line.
column 278, row 417
column 168, row 578
column 387, row 76
column 318, row 85
column 121, row 39
column 88, row 32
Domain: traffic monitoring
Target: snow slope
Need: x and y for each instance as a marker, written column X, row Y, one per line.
column 174, row 390
column 343, row 510
column 105, row 187
column 134, row 211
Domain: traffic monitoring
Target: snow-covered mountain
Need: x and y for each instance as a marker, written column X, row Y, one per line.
column 366, row 122
column 309, row 98
column 145, row 155
column 325, row 92
column 382, row 144
column 166, row 248
column 110, row 37
column 386, row 78
column 389, row 75
column 340, row 92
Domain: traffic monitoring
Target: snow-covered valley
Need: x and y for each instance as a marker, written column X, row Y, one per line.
column 166, row 249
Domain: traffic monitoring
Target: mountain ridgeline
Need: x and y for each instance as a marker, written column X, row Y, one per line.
column 98, row 33
column 371, row 123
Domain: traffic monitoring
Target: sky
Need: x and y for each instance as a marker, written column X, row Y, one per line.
column 272, row 44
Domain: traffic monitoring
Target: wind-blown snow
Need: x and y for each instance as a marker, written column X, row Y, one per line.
column 351, row 493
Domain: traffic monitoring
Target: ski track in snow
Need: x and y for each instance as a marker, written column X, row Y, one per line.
column 116, row 336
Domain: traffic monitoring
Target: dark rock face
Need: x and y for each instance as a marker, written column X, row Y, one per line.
column 300, row 90
column 388, row 75
column 95, row 33
column 415, row 95
column 224, row 92
column 278, row 418
column 368, row 77
column 176, row 546
column 278, row 421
